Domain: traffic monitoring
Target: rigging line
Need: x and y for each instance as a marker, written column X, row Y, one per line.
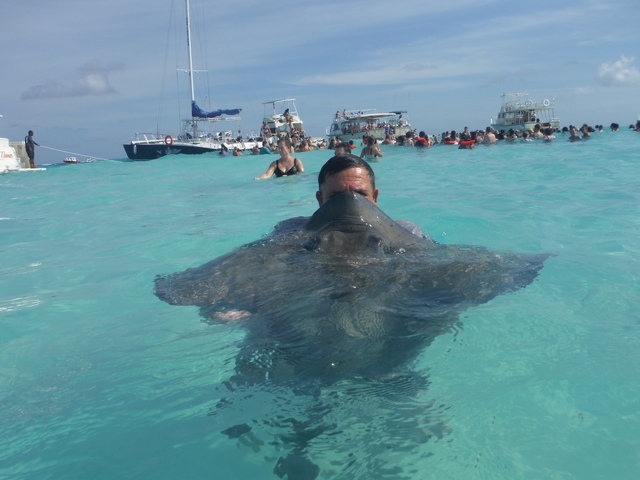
column 204, row 44
column 73, row 153
column 163, row 80
column 175, row 35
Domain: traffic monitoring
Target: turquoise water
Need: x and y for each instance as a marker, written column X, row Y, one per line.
column 99, row 379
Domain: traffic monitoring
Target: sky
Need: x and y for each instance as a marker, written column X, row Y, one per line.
column 86, row 75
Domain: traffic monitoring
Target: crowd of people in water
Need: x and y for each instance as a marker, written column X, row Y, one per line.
column 469, row 139
column 286, row 164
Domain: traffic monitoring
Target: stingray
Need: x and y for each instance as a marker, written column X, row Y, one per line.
column 351, row 295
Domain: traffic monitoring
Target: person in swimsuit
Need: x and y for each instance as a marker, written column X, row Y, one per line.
column 341, row 148
column 266, row 132
column 285, row 165
column 422, row 140
column 371, row 151
column 574, row 134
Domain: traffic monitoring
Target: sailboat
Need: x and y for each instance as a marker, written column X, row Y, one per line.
column 199, row 134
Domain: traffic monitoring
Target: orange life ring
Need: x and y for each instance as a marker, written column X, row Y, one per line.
column 467, row 142
column 168, row 140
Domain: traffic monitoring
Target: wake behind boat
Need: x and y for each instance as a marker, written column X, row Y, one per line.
column 200, row 133
column 519, row 113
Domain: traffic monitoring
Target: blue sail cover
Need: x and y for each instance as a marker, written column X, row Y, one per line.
column 197, row 112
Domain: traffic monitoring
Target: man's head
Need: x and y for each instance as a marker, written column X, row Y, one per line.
column 346, row 173
column 341, row 148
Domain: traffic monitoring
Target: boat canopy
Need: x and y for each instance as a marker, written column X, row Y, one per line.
column 197, row 112
column 368, row 116
column 279, row 101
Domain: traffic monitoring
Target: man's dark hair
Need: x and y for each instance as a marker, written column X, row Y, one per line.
column 343, row 162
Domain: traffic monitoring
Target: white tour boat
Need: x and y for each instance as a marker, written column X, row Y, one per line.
column 13, row 157
column 355, row 124
column 9, row 161
column 517, row 112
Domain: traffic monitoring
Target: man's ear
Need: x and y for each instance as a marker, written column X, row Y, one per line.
column 319, row 198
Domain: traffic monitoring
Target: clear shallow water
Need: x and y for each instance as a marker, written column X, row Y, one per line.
column 100, row 379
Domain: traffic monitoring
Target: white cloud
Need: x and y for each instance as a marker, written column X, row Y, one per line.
column 584, row 90
column 620, row 73
column 93, row 80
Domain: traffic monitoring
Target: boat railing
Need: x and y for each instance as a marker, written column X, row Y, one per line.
column 148, row 137
column 527, row 105
column 355, row 113
column 280, row 105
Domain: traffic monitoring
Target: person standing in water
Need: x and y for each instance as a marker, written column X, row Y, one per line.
column 372, row 150
column 285, row 165
column 29, row 145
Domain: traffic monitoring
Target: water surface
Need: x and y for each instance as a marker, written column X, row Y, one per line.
column 100, row 379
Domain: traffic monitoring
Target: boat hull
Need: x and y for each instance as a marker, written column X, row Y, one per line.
column 377, row 133
column 9, row 161
column 155, row 150
column 555, row 124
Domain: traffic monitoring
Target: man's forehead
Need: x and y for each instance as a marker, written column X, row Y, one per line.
column 351, row 172
column 354, row 178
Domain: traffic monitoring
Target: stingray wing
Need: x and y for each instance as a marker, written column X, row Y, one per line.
column 232, row 279
column 464, row 276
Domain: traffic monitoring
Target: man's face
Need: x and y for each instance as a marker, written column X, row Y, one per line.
column 349, row 180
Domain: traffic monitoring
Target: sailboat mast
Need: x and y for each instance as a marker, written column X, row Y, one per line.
column 193, row 94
